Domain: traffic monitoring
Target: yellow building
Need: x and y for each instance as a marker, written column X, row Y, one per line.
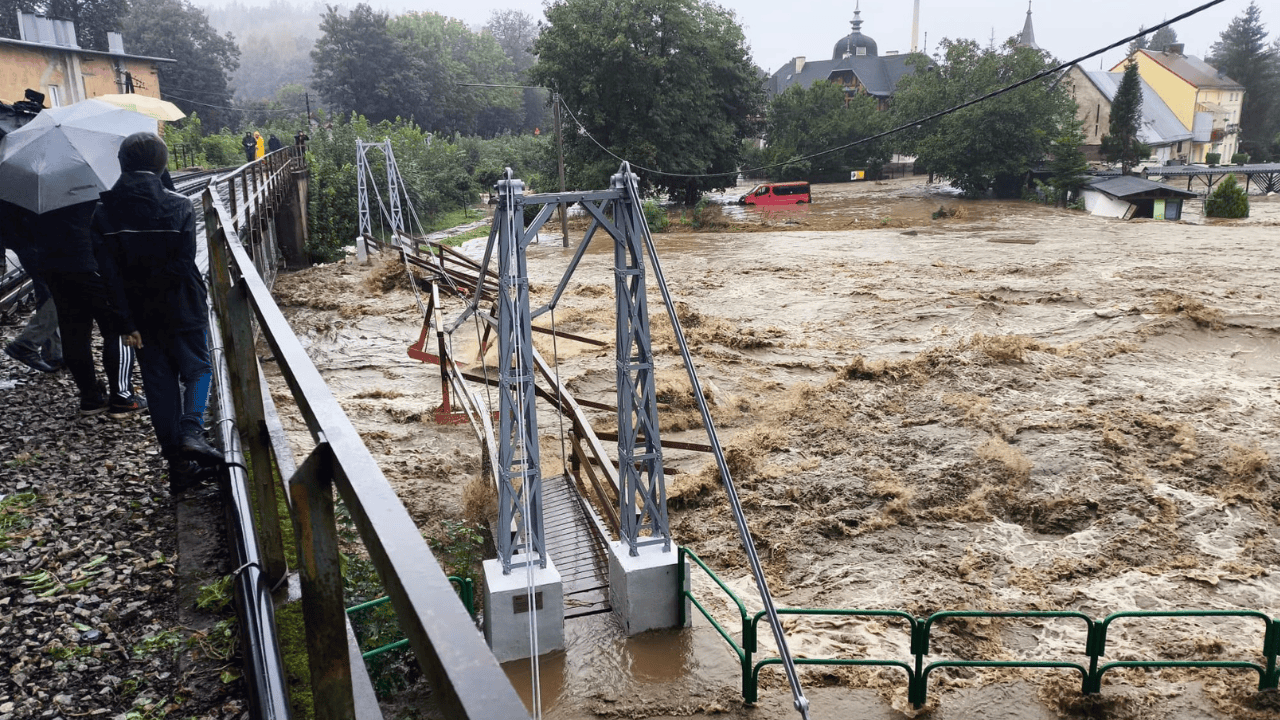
column 1204, row 100
column 48, row 60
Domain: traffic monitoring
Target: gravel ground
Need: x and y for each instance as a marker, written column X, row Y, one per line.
column 97, row 612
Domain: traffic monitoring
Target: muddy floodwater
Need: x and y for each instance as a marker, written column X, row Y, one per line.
column 1009, row 407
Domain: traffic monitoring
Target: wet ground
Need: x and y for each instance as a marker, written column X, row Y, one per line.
column 1010, row 407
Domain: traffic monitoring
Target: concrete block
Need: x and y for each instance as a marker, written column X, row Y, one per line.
column 644, row 590
column 506, row 610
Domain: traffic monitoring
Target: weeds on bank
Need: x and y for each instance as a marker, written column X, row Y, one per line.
column 13, row 515
column 23, row 459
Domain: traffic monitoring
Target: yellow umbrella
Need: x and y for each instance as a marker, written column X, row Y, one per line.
column 145, row 105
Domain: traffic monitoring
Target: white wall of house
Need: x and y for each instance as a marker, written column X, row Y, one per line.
column 1104, row 206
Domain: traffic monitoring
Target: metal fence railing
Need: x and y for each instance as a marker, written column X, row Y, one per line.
column 1091, row 671
column 464, row 676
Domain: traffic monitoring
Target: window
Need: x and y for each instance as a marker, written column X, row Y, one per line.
column 862, row 51
column 55, row 99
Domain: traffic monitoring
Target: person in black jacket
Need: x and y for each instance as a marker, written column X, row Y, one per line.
column 273, row 144
column 250, row 146
column 67, row 262
column 148, row 237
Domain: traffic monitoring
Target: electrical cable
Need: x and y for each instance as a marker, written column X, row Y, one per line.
column 735, row 504
column 266, row 111
column 905, row 126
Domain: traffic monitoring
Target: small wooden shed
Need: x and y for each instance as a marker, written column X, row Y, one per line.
column 1134, row 197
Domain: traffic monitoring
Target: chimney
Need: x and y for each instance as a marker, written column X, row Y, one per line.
column 799, row 63
column 1175, row 48
column 915, row 28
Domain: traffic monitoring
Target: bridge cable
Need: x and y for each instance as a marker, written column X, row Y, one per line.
column 905, row 126
column 526, row 509
column 735, row 503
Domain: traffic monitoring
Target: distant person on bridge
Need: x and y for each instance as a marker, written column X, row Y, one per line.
column 148, row 237
column 273, row 143
column 250, row 147
column 258, row 145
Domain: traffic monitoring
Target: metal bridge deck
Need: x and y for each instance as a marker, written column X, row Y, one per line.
column 575, row 546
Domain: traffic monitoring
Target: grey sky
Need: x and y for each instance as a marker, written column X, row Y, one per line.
column 778, row 30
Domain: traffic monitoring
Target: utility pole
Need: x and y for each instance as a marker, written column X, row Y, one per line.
column 564, row 220
column 308, row 97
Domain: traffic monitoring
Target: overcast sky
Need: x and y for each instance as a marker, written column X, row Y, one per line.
column 778, row 30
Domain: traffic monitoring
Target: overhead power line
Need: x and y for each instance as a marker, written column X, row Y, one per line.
column 914, row 123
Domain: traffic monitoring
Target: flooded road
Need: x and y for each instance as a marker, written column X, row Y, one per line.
column 1010, row 407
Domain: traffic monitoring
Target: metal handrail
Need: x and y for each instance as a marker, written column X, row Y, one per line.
column 462, row 671
column 920, row 627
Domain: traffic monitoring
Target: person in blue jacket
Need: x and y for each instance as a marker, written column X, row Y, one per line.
column 148, row 241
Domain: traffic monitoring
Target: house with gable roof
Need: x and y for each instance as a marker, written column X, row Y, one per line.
column 856, row 64
column 1205, row 100
column 1095, row 90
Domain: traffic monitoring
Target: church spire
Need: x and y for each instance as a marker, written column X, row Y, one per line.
column 857, row 17
column 1028, row 36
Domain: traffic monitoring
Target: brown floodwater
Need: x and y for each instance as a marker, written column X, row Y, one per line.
column 1008, row 407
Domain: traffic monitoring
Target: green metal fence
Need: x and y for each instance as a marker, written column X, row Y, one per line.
column 917, row 671
column 466, row 588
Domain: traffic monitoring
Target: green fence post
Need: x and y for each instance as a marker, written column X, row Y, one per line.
column 1271, row 648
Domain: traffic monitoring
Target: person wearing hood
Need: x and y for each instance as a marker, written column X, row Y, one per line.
column 250, row 147
column 65, row 260
column 147, row 236
column 273, row 143
column 258, row 144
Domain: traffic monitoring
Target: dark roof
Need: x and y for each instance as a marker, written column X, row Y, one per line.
column 1128, row 187
column 1194, row 70
column 1028, row 36
column 1184, row 170
column 878, row 75
column 849, row 44
column 81, row 51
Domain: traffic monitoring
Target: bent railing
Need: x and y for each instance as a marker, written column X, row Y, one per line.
column 919, row 628
column 462, row 671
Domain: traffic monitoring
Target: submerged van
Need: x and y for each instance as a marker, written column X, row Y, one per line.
column 787, row 193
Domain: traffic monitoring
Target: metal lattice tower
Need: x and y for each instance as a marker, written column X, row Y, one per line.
column 643, row 500
column 393, row 190
column 520, row 478
column 362, row 189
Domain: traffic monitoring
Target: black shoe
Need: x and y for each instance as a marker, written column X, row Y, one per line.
column 122, row 407
column 185, row 475
column 195, row 448
column 27, row 356
column 94, row 403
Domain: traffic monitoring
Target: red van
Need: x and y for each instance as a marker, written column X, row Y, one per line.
column 787, row 193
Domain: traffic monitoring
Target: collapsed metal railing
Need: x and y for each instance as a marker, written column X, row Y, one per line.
column 463, row 673
column 919, row 628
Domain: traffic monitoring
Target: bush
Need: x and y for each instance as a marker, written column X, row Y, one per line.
column 1228, row 200
column 1239, row 158
column 1212, row 158
column 655, row 216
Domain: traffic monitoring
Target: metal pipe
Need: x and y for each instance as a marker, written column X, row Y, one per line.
column 263, row 668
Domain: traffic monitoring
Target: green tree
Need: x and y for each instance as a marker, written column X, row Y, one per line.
column 93, row 18
column 1243, row 55
column 1228, row 200
column 516, row 32
column 1162, row 39
column 1121, row 143
column 450, row 57
column 803, row 121
column 1141, row 43
column 992, row 144
column 359, row 66
column 667, row 84
column 1069, row 166
column 205, row 60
